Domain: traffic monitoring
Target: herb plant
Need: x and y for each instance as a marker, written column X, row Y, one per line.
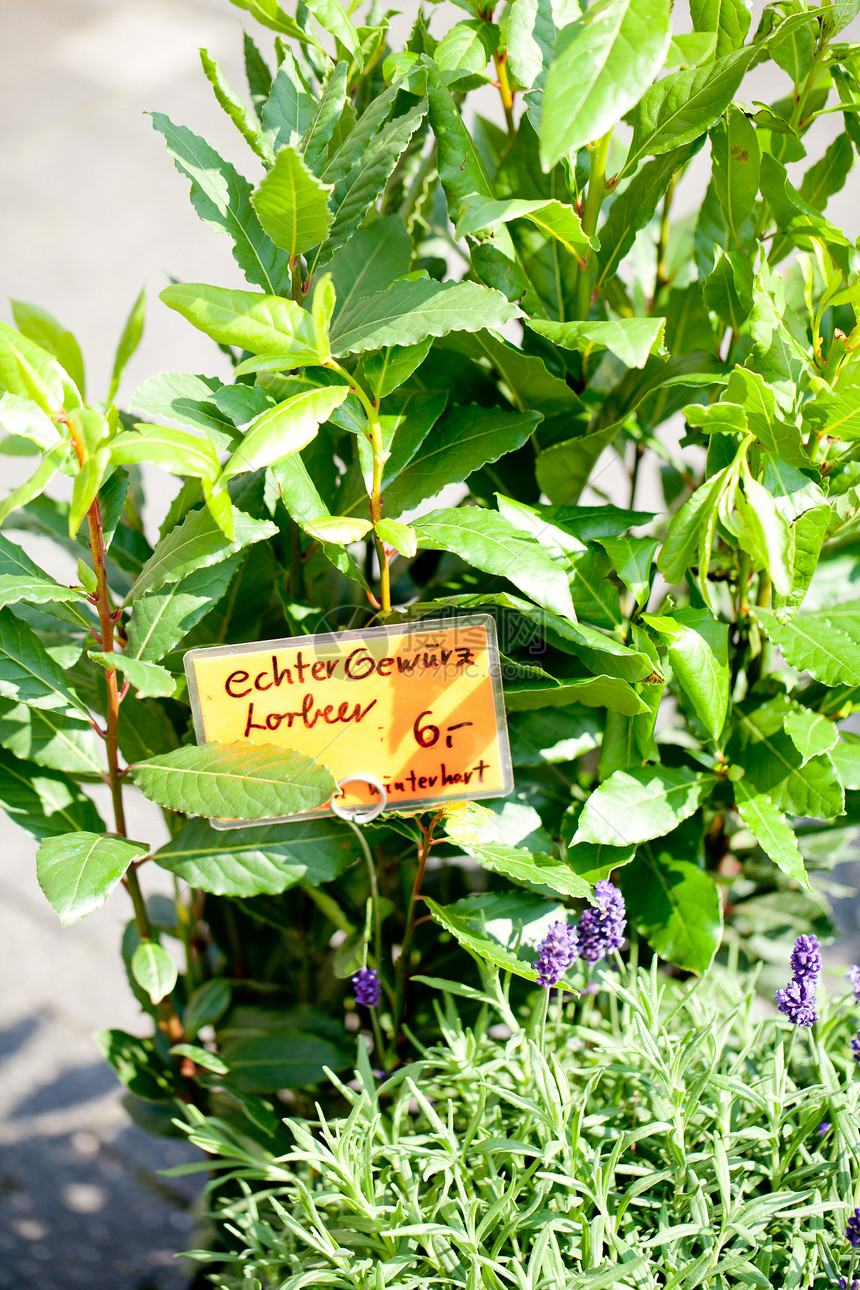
column 441, row 304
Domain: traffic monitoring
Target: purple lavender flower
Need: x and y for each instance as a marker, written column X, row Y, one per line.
column 824, row 1128
column 843, row 1284
column 601, row 927
column 805, row 957
column 852, row 1231
column 797, row 1001
column 556, row 952
column 855, row 1048
column 367, row 987
column 853, row 975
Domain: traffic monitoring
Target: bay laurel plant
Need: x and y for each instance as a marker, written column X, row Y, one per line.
column 672, row 1137
column 456, row 314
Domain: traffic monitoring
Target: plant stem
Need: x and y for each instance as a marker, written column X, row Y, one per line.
column 593, row 201
column 660, row 279
column 500, row 58
column 374, row 895
column 403, row 961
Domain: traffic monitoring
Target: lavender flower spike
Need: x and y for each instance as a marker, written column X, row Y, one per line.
column 367, row 987
column 855, row 1048
column 797, row 1000
column 556, row 952
column 852, row 1231
column 805, row 957
column 601, row 927
column 853, row 975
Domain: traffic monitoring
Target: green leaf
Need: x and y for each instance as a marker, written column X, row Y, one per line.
column 759, row 403
column 173, row 450
column 334, row 18
column 530, row 39
column 632, row 559
column 222, row 198
column 28, row 674
column 33, row 373
column 78, row 871
column 137, row 1064
column 387, row 369
column 530, row 384
column 825, row 643
column 811, row 733
column 237, row 781
column 775, row 769
column 288, row 427
column 188, row 401
column 608, row 692
column 266, row 859
column 687, row 526
column 464, row 51
column 633, row 806
column 489, row 542
column 410, row 311
column 42, row 801
column 289, row 109
column 400, row 536
column 128, row 343
column 556, row 219
column 768, row 531
column 675, row 905
column 154, row 970
column 635, row 205
column 736, row 168
column 728, row 19
column 596, row 863
column 43, row 328
column 632, row 340
column 342, row 529
column 150, row 680
column 292, row 205
column 681, row 106
column 698, row 647
column 207, row 1004
column 195, row 544
column 368, row 177
column 260, row 323
column 602, row 64
column 728, row 288
column 245, row 121
column 160, row 619
column 280, row 1059
column 36, row 591
column 24, row 418
column 519, row 864
column 466, row 438
column 271, row 15
column 200, row 1056
column 44, row 737
column 504, row 928
column 771, row 830
column 795, row 216
column 328, row 112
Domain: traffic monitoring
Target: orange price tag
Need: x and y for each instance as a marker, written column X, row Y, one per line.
column 418, row 707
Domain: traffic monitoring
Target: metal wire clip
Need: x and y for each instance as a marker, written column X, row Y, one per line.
column 359, row 815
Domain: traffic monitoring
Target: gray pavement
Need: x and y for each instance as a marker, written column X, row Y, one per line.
column 91, row 209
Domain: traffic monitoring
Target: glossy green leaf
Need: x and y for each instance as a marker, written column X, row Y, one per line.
column 557, row 219
column 530, row 38
column 736, row 168
column 728, row 19
column 466, row 438
column 292, row 205
column 43, row 328
column 222, row 198
column 334, row 18
column 154, row 970
column 289, row 108
column 675, row 905
column 633, row 806
column 774, row 767
column 409, row 312
column 343, row 529
column 491, row 543
column 132, row 333
column 23, row 418
column 281, row 1058
column 768, row 532
column 195, row 544
column 608, row 692
column 632, row 559
column 150, row 680
column 160, row 619
column 173, row 450
column 537, row 870
column 187, row 401
column 43, row 801
column 825, row 643
column 811, row 733
column 263, row 324
column 759, row 403
column 78, row 871
column 245, row 121
column 398, row 535
column 327, row 113
column 795, row 216
column 687, row 525
column 504, row 929
column 236, row 781
column 771, row 830
column 28, row 674
column 683, row 105
column 728, row 288
column 138, row 1065
column 31, row 372
column 698, row 648
column 266, row 859
column 207, row 1005
column 632, row 340
column 603, row 62
column 49, row 739
column 287, row 427
column 464, row 52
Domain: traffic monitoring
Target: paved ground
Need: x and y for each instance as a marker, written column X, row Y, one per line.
column 91, row 209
